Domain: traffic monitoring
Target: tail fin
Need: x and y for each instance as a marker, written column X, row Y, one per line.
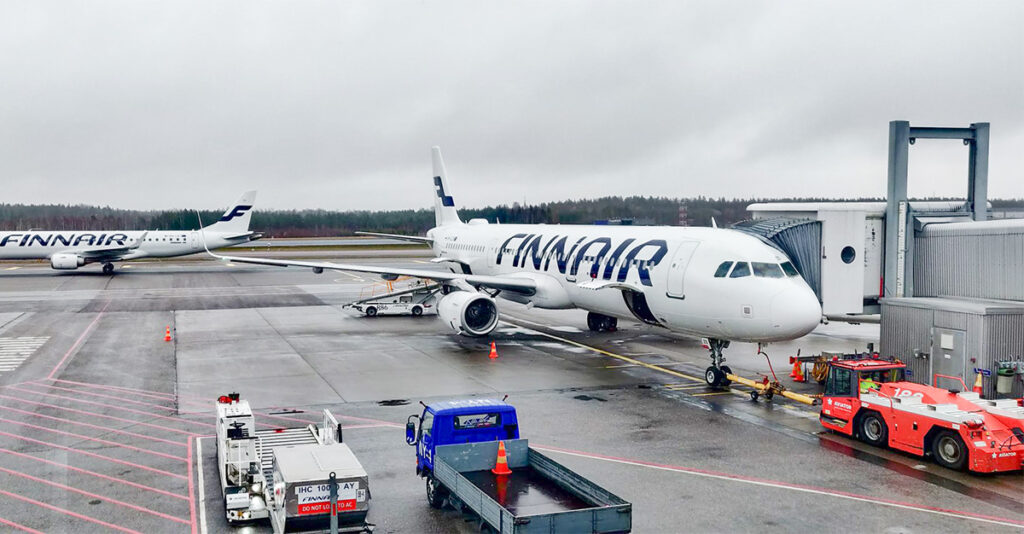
column 444, row 205
column 236, row 219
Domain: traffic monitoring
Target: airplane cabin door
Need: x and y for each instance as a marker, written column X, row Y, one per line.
column 677, row 269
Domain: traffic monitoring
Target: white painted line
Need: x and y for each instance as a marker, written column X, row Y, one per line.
column 12, row 268
column 202, row 489
column 786, row 486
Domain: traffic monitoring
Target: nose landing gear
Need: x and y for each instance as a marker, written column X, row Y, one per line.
column 716, row 375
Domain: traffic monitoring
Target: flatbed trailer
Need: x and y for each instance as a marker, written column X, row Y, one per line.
column 457, row 444
column 540, row 495
column 870, row 400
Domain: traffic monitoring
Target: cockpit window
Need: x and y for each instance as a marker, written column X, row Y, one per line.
column 788, row 268
column 723, row 269
column 767, row 270
column 742, row 269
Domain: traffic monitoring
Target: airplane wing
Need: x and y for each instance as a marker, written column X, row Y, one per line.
column 413, row 238
column 109, row 253
column 523, row 286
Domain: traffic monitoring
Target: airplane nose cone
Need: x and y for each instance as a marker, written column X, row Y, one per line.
column 795, row 312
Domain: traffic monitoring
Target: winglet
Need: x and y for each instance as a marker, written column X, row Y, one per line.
column 713, row 223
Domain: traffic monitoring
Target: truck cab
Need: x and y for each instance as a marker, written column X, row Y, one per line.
column 457, row 422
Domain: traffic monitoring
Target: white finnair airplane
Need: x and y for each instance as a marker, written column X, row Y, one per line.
column 73, row 249
column 713, row 283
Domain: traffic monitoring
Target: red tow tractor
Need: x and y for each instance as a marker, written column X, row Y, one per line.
column 870, row 399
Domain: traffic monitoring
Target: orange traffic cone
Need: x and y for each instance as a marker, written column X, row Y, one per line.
column 799, row 374
column 501, row 465
column 167, row 334
column 494, row 352
column 796, row 367
column 977, row 384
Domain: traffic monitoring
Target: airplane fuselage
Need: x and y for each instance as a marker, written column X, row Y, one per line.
column 660, row 275
column 31, row 245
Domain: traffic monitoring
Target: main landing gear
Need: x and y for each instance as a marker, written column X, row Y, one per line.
column 715, row 375
column 108, row 268
column 597, row 322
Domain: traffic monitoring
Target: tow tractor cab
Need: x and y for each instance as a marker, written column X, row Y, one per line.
column 458, row 421
column 871, row 400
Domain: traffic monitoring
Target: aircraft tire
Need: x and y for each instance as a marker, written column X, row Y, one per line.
column 108, row 268
column 714, row 377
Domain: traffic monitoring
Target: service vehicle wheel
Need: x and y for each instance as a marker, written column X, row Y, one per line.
column 949, row 450
column 754, row 395
column 417, row 310
column 371, row 311
column 436, row 493
column 873, row 430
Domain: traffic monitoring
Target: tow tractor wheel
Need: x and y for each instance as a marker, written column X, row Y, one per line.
column 108, row 268
column 417, row 310
column 949, row 450
column 715, row 377
column 873, row 430
column 435, row 493
column 371, row 311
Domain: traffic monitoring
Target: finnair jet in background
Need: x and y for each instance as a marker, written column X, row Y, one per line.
column 73, row 249
column 712, row 283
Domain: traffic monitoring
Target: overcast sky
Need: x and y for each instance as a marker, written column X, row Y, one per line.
column 335, row 105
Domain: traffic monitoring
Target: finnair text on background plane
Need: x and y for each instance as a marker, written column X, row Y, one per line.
column 73, row 249
column 713, row 283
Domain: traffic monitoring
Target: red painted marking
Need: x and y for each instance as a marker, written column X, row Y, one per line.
column 112, row 406
column 777, row 483
column 23, row 528
column 98, row 427
column 143, row 392
column 119, row 399
column 68, row 512
column 93, row 455
column 78, row 341
column 93, row 495
column 191, row 492
column 94, row 414
column 97, row 440
column 353, row 427
column 93, row 473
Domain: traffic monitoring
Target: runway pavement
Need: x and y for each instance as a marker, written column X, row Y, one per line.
column 104, row 426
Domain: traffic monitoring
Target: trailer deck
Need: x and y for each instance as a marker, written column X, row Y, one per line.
column 525, row 492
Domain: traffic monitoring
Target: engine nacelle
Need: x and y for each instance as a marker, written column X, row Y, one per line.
column 66, row 261
column 467, row 312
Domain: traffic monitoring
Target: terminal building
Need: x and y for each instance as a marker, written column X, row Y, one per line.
column 946, row 280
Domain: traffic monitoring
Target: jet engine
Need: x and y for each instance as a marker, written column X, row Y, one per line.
column 66, row 261
column 469, row 313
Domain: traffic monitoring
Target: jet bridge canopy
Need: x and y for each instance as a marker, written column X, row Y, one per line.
column 800, row 239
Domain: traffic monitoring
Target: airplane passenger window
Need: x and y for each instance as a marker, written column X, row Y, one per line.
column 723, row 269
column 767, row 270
column 788, row 268
column 742, row 269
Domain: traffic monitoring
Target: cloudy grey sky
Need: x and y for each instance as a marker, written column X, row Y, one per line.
column 147, row 104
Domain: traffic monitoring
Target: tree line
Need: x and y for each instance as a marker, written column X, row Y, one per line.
column 321, row 223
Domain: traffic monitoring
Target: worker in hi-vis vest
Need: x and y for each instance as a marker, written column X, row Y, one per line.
column 867, row 384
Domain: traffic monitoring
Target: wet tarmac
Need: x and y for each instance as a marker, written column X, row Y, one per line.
column 104, row 426
column 525, row 492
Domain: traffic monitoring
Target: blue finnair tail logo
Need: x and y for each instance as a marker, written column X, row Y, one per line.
column 445, row 199
column 237, row 211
